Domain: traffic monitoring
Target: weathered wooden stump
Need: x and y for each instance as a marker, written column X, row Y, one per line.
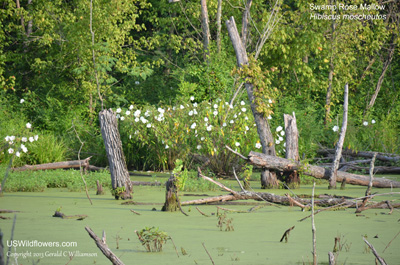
column 292, row 149
column 171, row 200
column 121, row 183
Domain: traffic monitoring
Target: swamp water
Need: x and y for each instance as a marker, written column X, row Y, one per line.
column 255, row 239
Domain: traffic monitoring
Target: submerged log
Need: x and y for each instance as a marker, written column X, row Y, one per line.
column 56, row 165
column 281, row 164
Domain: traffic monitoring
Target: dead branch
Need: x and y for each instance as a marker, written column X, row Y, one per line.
column 104, row 248
column 391, row 241
column 349, row 152
column 286, row 234
column 197, row 208
column 57, row 165
column 381, row 260
column 293, row 201
column 216, row 183
column 133, row 211
column 63, row 216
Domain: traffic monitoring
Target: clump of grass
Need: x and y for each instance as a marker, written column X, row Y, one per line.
column 152, row 238
column 40, row 180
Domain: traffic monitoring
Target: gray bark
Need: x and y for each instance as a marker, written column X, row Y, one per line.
column 268, row 179
column 116, row 159
column 219, row 13
column 245, row 22
column 205, row 28
column 292, row 147
column 282, row 164
column 339, row 145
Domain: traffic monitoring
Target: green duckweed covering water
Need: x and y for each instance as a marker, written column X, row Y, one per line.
column 255, row 239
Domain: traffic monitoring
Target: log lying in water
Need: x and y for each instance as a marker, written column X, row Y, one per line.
column 281, row 164
column 57, row 165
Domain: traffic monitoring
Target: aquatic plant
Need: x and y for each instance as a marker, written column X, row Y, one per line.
column 152, row 238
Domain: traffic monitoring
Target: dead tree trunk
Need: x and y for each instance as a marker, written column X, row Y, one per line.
column 268, row 179
column 205, row 28
column 339, row 145
column 245, row 23
column 219, row 13
column 121, row 183
column 56, row 165
column 292, row 148
column 282, row 164
column 171, row 200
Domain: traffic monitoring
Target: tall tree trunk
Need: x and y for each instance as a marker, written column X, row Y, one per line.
column 331, row 71
column 245, row 22
column 121, row 183
column 292, row 148
column 339, row 145
column 219, row 13
column 268, row 179
column 205, row 28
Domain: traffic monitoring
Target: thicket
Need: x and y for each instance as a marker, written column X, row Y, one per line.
column 149, row 54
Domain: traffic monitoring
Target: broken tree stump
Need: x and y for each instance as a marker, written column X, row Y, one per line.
column 120, row 180
column 292, row 149
column 171, row 200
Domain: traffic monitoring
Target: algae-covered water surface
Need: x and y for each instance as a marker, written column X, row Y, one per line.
column 39, row 237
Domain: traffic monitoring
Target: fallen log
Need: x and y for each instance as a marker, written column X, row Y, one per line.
column 56, row 165
column 380, row 156
column 281, row 164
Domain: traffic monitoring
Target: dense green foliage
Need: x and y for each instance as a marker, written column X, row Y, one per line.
column 149, row 54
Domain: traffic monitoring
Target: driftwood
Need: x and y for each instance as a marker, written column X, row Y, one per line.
column 380, row 259
column 63, row 216
column 281, row 164
column 57, row 165
column 348, row 152
column 286, row 235
column 104, row 248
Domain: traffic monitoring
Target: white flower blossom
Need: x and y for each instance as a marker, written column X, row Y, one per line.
column 10, row 151
column 12, row 137
column 118, row 116
column 277, row 142
column 193, row 126
column 191, row 98
column 198, row 147
column 209, row 128
column 244, row 109
column 365, row 123
column 279, row 128
column 7, row 138
column 147, row 113
column 373, row 121
column 18, row 154
column 131, row 107
column 191, row 113
column 119, row 110
column 181, row 107
column 282, row 133
column 258, row 145
column 242, row 103
column 215, row 113
column 202, row 138
column 195, row 104
column 127, row 113
column 205, row 119
column 24, row 139
column 269, row 101
column 137, row 119
column 137, row 82
column 148, row 125
column 31, row 139
column 237, row 144
column 224, row 124
column 280, row 139
column 28, row 125
column 195, row 112
column 247, row 128
column 246, row 118
column 22, row 100
column 335, row 128
column 137, row 113
column 231, row 106
column 24, row 149
column 122, row 118
column 161, row 110
column 215, row 106
column 166, row 146
column 269, row 117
